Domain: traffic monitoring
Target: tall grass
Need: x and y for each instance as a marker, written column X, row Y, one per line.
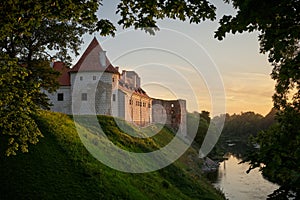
column 60, row 167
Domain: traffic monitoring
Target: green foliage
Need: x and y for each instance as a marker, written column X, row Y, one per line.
column 60, row 167
column 268, row 120
column 241, row 126
column 198, row 123
column 144, row 14
column 238, row 131
column 16, row 106
column 280, row 153
column 35, row 32
column 32, row 28
column 205, row 115
column 278, row 24
column 31, row 34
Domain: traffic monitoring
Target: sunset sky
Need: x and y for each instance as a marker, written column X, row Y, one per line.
column 186, row 61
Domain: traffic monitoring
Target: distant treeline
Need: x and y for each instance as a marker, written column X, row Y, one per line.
column 241, row 126
column 236, row 131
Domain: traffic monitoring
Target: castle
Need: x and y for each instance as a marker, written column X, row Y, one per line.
column 94, row 86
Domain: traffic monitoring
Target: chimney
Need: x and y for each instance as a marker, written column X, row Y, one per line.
column 102, row 57
column 124, row 75
column 134, row 82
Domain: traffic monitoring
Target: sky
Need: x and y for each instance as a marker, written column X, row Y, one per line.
column 185, row 61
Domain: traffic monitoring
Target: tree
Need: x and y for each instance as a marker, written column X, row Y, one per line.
column 241, row 126
column 279, row 25
column 144, row 14
column 34, row 32
column 205, row 115
column 16, row 106
column 199, row 123
column 29, row 31
column 279, row 151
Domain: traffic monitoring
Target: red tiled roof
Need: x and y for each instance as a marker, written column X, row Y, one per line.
column 64, row 78
column 90, row 61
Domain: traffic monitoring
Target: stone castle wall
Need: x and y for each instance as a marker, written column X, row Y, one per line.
column 172, row 113
column 91, row 93
column 61, row 100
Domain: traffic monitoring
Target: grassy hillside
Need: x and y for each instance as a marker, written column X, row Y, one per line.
column 59, row 167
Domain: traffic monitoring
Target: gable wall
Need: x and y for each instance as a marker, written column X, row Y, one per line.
column 63, row 106
column 98, row 92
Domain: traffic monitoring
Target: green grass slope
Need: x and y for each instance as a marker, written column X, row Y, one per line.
column 60, row 167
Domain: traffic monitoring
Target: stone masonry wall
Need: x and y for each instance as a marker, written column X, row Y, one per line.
column 172, row 113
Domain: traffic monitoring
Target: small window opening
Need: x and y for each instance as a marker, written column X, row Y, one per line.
column 60, row 96
column 84, row 96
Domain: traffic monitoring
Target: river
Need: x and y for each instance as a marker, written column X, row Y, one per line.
column 236, row 184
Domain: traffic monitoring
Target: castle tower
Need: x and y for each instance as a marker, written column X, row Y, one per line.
column 92, row 82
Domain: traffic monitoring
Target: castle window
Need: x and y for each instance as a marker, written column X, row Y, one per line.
column 114, row 97
column 130, row 102
column 81, row 78
column 149, row 105
column 60, row 96
column 172, row 105
column 83, row 96
column 94, row 77
column 113, row 79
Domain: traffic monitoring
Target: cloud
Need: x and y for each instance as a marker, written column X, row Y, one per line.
column 248, row 91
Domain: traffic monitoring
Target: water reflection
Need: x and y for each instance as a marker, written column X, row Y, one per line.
column 236, row 184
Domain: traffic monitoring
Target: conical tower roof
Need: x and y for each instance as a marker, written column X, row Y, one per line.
column 90, row 60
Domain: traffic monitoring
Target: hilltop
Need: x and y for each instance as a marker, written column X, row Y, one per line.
column 60, row 167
